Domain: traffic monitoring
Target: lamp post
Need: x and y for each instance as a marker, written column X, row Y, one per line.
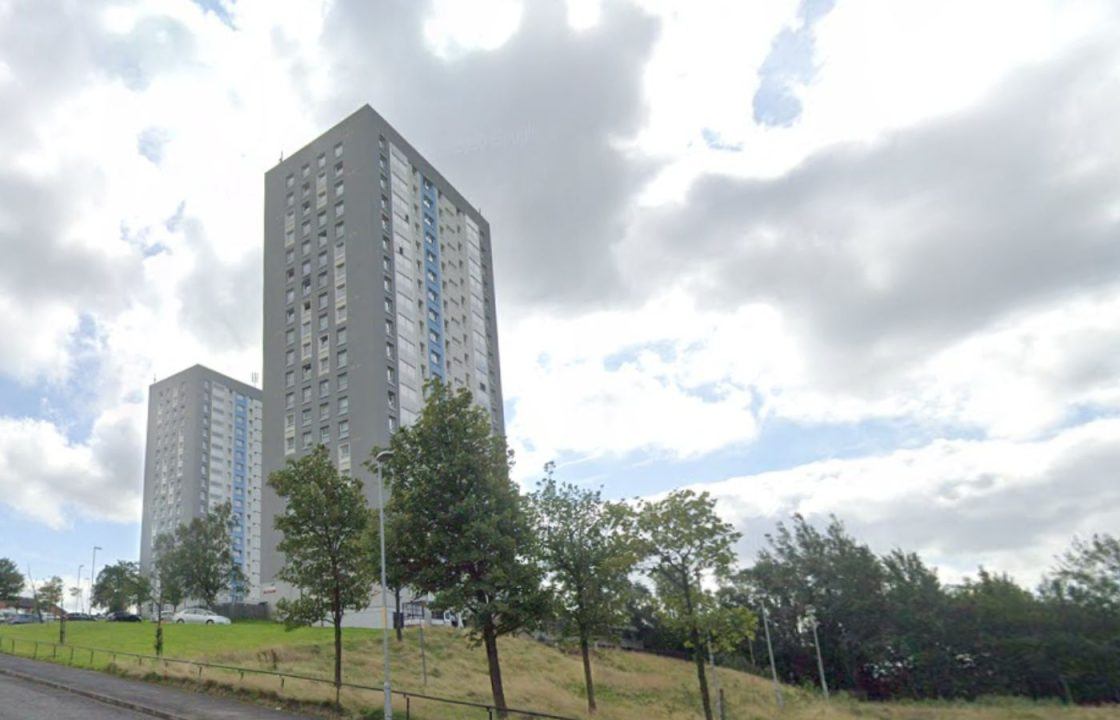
column 381, row 457
column 80, row 608
column 92, row 574
column 820, row 663
column 770, row 649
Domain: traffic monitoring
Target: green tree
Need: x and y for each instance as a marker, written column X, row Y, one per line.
column 119, row 586
column 323, row 525
column 687, row 541
column 588, row 547
column 50, row 597
column 461, row 527
column 166, row 579
column 205, row 565
column 1089, row 572
column 11, row 580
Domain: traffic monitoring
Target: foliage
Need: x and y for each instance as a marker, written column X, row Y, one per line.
column 50, row 594
column 168, row 575
column 688, row 542
column 890, row 629
column 1089, row 573
column 204, row 566
column 120, row 586
column 11, row 580
column 461, row 527
column 323, row 525
column 588, row 548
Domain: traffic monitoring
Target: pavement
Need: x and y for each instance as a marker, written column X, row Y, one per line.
column 35, row 689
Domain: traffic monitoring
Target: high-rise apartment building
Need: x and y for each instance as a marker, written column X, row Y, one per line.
column 377, row 277
column 203, row 450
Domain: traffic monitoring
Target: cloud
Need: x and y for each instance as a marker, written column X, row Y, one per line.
column 789, row 64
column 45, row 476
column 1006, row 504
column 530, row 131
column 882, row 254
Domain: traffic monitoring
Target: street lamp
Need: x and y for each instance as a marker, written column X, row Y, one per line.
column 80, row 608
column 812, row 620
column 381, row 457
column 92, row 574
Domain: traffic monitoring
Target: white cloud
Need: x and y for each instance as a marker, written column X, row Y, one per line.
column 45, row 476
column 1011, row 505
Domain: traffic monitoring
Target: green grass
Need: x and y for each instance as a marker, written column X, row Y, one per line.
column 630, row 686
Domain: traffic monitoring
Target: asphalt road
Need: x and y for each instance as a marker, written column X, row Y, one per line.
column 23, row 700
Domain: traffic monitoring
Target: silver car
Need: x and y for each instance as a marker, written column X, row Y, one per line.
column 200, row 616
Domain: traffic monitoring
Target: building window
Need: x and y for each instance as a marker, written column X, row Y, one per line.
column 289, row 181
column 338, row 168
column 307, row 440
column 307, row 394
column 342, row 358
column 289, row 379
column 290, row 401
column 289, row 445
column 324, row 388
column 304, row 171
column 344, row 451
column 324, row 411
column 324, row 342
column 392, row 424
column 338, row 150
column 323, row 259
column 388, row 350
column 324, row 435
column 289, row 295
column 305, row 269
column 290, row 316
column 388, row 305
column 339, row 231
column 343, row 429
column 392, row 399
column 342, row 336
column 339, row 208
column 391, row 375
column 305, row 228
column 388, row 284
column 339, row 189
column 290, row 358
column 305, row 416
column 305, row 247
column 323, row 301
column 322, row 160
column 322, row 218
column 290, row 256
column 343, row 382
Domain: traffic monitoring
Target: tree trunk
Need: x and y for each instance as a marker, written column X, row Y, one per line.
column 62, row 628
column 586, row 652
column 398, row 621
column 490, row 639
column 698, row 656
column 337, row 653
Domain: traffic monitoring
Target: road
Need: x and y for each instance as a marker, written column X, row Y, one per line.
column 22, row 700
column 30, row 690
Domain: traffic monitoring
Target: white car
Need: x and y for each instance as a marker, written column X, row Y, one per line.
column 201, row 616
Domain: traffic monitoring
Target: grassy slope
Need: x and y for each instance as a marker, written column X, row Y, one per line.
column 630, row 686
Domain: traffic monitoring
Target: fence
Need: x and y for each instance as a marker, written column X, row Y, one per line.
column 67, row 653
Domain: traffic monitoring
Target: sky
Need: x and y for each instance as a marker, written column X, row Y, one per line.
column 831, row 257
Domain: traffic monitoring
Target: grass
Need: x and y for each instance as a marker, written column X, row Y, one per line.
column 630, row 686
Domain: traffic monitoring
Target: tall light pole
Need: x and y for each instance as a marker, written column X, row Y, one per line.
column 92, row 574
column 80, row 607
column 381, row 457
column 820, row 663
column 770, row 649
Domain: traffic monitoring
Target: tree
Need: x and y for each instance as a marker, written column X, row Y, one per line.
column 205, row 565
column 461, row 527
column 50, row 596
column 1089, row 572
column 687, row 541
column 166, row 579
column 11, row 580
column 323, row 524
column 119, row 586
column 588, row 547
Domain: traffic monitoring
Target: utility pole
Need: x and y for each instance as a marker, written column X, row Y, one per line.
column 92, row 574
column 770, row 649
column 820, row 663
column 381, row 456
column 81, row 604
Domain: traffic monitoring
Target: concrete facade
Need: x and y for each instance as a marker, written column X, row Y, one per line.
column 377, row 277
column 204, row 448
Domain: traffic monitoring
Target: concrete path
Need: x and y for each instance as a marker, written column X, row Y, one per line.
column 93, row 692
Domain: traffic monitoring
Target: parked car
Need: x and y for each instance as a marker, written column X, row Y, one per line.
column 122, row 616
column 79, row 617
column 23, row 619
column 200, row 616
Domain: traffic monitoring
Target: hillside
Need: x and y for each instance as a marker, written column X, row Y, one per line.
column 630, row 686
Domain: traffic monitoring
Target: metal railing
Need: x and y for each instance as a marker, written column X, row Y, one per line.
column 8, row 646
